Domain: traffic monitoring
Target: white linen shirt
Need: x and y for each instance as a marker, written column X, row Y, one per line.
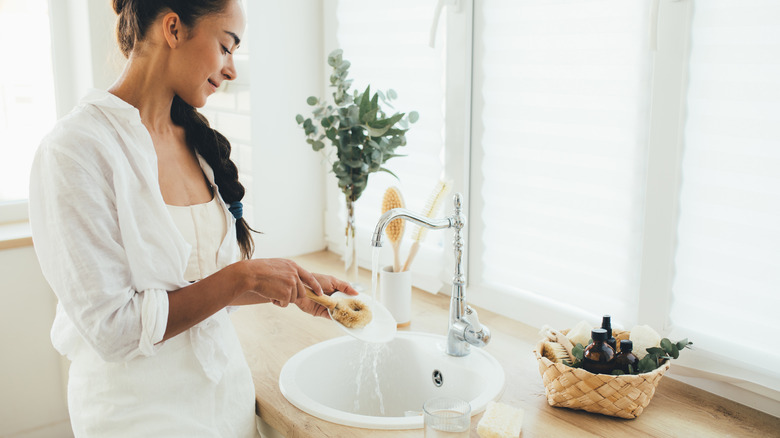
column 106, row 243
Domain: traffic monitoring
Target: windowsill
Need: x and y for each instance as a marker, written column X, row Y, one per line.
column 15, row 235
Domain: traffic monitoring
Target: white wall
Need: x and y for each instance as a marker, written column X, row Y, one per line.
column 32, row 391
column 286, row 66
column 283, row 177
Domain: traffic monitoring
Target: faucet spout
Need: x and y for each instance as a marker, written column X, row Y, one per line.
column 396, row 213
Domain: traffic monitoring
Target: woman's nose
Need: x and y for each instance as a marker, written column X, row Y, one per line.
column 229, row 70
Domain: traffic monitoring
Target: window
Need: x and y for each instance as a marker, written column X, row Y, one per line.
column 727, row 263
column 383, row 41
column 622, row 158
column 27, row 105
column 558, row 150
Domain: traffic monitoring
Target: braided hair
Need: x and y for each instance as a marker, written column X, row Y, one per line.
column 135, row 17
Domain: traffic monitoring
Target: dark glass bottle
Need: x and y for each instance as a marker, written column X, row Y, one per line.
column 606, row 324
column 626, row 357
column 598, row 357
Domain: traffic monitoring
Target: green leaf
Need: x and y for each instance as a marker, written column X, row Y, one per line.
column 578, row 352
column 343, row 67
column 617, row 372
column 375, row 132
column 299, row 118
column 647, row 364
column 414, row 116
column 369, row 116
column 375, row 101
column 311, row 100
column 317, row 145
column 390, row 172
column 308, row 127
column 334, row 58
column 656, row 351
column 389, row 156
column 391, row 94
column 683, row 344
column 675, row 352
column 666, row 344
column 365, row 101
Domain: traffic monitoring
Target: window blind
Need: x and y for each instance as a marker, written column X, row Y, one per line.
column 561, row 112
column 728, row 259
column 27, row 108
column 387, row 46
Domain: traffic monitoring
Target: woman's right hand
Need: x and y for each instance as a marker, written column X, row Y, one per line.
column 280, row 281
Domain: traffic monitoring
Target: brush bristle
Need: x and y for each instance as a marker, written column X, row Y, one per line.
column 431, row 206
column 391, row 200
column 352, row 313
column 555, row 352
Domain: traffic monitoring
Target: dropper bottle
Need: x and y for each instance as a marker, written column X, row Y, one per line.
column 598, row 357
column 626, row 360
column 606, row 324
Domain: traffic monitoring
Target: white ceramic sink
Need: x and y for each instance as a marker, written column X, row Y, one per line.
column 384, row 386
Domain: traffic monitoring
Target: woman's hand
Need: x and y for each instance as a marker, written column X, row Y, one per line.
column 279, row 281
column 329, row 285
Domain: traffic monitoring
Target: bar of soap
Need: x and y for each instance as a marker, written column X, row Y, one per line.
column 500, row 421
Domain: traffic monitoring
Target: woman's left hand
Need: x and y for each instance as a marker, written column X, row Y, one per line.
column 329, row 285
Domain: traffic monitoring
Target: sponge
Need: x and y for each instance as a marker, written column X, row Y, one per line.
column 500, row 421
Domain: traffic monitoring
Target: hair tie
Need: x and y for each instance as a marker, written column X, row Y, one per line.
column 237, row 208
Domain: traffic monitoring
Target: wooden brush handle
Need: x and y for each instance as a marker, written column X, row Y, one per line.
column 412, row 253
column 565, row 343
column 321, row 299
column 396, row 256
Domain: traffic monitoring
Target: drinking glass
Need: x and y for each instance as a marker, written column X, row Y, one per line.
column 447, row 417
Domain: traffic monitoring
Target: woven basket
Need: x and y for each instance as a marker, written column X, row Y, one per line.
column 624, row 396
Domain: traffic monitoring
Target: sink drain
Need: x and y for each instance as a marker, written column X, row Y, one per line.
column 438, row 378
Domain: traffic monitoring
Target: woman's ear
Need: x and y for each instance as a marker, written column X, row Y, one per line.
column 173, row 31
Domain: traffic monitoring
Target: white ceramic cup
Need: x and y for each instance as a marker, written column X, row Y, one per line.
column 395, row 290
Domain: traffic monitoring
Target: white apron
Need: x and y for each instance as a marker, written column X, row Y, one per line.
column 168, row 394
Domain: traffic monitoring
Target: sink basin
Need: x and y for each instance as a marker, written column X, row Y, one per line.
column 384, row 386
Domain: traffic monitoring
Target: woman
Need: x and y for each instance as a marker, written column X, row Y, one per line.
column 129, row 201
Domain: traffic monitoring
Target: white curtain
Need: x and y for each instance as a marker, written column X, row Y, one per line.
column 726, row 291
column 561, row 140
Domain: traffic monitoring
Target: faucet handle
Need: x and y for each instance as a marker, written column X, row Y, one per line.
column 473, row 319
column 475, row 333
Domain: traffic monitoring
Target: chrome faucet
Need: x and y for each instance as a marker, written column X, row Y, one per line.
column 464, row 327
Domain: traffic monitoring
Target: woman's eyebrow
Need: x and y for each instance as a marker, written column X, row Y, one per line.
column 235, row 37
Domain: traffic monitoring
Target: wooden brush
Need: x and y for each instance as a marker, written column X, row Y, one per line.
column 395, row 229
column 432, row 204
column 349, row 312
column 555, row 352
column 558, row 347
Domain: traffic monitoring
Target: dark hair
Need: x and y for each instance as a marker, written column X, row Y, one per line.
column 135, row 17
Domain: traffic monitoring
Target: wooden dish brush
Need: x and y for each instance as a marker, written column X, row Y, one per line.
column 395, row 229
column 349, row 312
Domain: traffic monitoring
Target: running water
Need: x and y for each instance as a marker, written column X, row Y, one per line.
column 369, row 361
column 375, row 271
column 370, row 356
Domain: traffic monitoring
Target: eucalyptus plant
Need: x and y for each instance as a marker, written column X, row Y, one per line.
column 362, row 132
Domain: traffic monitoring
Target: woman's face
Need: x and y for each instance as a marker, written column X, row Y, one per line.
column 205, row 57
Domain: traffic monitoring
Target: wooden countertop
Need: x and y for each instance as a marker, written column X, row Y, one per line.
column 270, row 336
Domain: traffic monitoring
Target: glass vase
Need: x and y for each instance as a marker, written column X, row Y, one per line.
column 350, row 251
